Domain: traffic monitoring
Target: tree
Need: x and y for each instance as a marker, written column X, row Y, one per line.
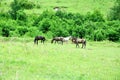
column 96, row 16
column 114, row 13
column 14, row 8
column 17, row 5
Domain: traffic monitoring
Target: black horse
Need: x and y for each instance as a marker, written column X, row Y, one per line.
column 39, row 38
column 78, row 41
column 57, row 39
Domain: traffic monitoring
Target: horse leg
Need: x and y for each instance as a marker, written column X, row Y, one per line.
column 41, row 41
column 77, row 45
column 55, row 42
column 85, row 44
column 37, row 42
column 62, row 42
column 34, row 41
column 82, row 45
column 52, row 40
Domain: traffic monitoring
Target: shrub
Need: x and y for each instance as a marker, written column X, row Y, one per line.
column 6, row 26
column 113, row 30
column 96, row 16
column 99, row 35
column 114, row 13
column 79, row 31
column 22, row 30
column 44, row 25
column 21, row 15
column 113, row 35
column 32, row 32
column 17, row 6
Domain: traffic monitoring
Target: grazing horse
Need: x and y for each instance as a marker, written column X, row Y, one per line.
column 77, row 41
column 39, row 38
column 56, row 39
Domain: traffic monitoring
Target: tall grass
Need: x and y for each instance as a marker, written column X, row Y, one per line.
column 21, row 60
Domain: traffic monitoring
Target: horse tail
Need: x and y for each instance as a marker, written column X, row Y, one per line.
column 52, row 40
column 34, row 40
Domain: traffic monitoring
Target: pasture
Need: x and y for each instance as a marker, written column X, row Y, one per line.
column 74, row 6
column 20, row 59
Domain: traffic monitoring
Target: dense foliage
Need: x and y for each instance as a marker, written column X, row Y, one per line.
column 92, row 26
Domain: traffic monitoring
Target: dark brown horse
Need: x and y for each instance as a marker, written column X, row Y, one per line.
column 78, row 41
column 57, row 39
column 39, row 38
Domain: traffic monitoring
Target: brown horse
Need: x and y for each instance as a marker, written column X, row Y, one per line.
column 39, row 38
column 57, row 39
column 78, row 41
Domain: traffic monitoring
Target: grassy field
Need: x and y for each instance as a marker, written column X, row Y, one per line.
column 74, row 6
column 22, row 60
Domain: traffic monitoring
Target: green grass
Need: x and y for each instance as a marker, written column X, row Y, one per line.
column 22, row 60
column 74, row 6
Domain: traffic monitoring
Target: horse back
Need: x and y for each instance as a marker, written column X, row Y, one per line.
column 40, row 38
column 81, row 40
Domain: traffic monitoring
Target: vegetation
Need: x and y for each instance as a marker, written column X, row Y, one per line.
column 114, row 13
column 95, row 20
column 21, row 60
column 92, row 25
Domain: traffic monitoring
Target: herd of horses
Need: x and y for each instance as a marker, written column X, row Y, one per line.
column 74, row 40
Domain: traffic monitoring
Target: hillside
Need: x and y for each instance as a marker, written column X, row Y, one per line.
column 74, row 6
column 90, row 19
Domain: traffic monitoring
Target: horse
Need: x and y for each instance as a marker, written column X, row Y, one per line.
column 77, row 41
column 42, row 38
column 56, row 39
column 66, row 39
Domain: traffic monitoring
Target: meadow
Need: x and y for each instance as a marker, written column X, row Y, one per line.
column 20, row 59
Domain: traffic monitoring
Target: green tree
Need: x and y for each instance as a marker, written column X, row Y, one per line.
column 17, row 5
column 21, row 15
column 96, row 16
column 114, row 13
column 45, row 25
column 14, row 8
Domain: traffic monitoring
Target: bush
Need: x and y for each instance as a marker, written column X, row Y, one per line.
column 22, row 30
column 17, row 7
column 6, row 26
column 99, row 35
column 113, row 30
column 113, row 35
column 27, row 4
column 44, row 25
column 14, row 33
column 21, row 15
column 46, row 14
column 96, row 16
column 114, row 13
column 79, row 31
column 32, row 32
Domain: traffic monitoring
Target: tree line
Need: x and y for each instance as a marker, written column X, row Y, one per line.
column 92, row 26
